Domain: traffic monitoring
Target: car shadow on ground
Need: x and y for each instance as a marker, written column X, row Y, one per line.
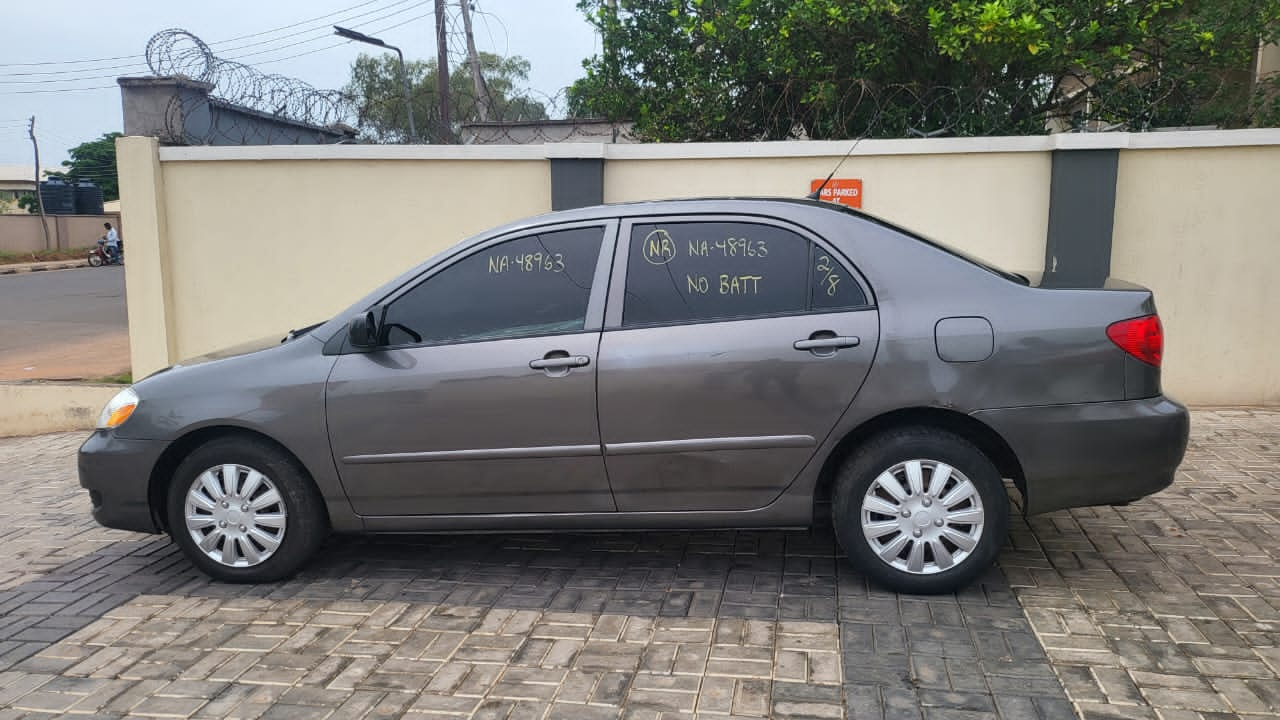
column 760, row 574
column 888, row 642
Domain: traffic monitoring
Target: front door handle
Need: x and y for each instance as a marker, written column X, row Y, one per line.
column 831, row 342
column 555, row 360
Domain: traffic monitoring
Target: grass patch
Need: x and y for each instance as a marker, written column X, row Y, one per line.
column 15, row 258
column 121, row 379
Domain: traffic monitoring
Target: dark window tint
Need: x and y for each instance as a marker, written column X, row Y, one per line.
column 686, row 272
column 831, row 286
column 535, row 285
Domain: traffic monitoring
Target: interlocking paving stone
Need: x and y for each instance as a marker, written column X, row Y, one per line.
column 1167, row 608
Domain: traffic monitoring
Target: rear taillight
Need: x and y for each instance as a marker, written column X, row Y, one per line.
column 1141, row 337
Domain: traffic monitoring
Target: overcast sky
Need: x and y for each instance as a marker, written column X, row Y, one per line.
column 111, row 37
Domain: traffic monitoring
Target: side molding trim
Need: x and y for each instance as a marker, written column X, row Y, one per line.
column 759, row 442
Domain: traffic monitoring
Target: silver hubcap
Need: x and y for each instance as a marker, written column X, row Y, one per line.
column 235, row 515
column 922, row 517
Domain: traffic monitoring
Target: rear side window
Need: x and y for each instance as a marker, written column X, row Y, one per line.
column 831, row 287
column 533, row 285
column 685, row 272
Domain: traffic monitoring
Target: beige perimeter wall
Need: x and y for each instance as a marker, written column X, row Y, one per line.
column 21, row 233
column 994, row 205
column 32, row 408
column 1201, row 227
column 231, row 244
column 247, row 249
column 260, row 247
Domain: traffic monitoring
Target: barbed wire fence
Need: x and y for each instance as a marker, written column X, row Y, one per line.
column 241, row 96
column 858, row 108
column 766, row 111
column 244, row 94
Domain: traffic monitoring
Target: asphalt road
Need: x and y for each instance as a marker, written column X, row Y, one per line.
column 64, row 313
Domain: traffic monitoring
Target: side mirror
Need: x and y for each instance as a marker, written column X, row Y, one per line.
column 363, row 330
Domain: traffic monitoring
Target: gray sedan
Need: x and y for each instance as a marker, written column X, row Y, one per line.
column 681, row 364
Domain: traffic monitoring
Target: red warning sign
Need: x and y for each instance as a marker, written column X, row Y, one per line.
column 846, row 191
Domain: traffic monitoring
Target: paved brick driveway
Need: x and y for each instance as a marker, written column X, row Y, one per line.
column 1168, row 609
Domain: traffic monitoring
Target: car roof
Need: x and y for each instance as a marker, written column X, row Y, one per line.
column 767, row 206
column 748, row 204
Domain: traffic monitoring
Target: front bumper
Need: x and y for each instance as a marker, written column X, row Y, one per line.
column 1093, row 453
column 117, row 474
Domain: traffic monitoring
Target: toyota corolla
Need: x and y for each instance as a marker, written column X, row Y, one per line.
column 665, row 365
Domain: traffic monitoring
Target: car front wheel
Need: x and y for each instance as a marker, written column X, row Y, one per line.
column 243, row 511
column 920, row 510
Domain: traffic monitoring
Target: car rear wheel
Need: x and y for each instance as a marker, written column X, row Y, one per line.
column 920, row 510
column 243, row 511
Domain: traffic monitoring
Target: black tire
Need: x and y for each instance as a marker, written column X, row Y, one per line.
column 891, row 450
column 305, row 518
column 95, row 261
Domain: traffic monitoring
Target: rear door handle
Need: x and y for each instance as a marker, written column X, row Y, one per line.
column 827, row 343
column 560, row 362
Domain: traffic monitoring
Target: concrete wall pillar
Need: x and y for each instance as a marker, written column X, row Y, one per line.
column 576, row 182
column 146, row 273
column 1082, row 204
column 577, row 174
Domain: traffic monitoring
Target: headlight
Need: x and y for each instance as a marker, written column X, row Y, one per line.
column 118, row 410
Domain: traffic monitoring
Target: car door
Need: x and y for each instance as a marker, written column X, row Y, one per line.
column 732, row 346
column 484, row 399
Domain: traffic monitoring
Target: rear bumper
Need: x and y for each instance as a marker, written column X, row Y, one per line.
column 117, row 474
column 1093, row 453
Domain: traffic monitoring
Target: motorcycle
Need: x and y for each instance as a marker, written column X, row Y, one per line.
column 99, row 256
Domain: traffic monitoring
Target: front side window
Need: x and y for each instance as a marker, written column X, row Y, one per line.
column 533, row 285
column 682, row 272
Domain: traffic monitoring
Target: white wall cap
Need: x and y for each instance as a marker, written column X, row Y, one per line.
column 1170, row 140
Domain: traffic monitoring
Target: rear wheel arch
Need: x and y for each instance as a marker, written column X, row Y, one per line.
column 162, row 473
column 967, row 427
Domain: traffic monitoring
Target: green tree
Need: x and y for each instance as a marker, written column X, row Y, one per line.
column 29, row 203
column 94, row 161
column 379, row 92
column 771, row 69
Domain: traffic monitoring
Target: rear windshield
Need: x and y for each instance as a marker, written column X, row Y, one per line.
column 972, row 259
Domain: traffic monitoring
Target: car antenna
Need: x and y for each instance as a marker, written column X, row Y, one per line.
column 817, row 194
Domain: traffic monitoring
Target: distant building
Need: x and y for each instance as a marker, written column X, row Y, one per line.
column 16, row 181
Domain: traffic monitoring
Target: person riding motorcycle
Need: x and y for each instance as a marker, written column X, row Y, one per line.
column 112, row 243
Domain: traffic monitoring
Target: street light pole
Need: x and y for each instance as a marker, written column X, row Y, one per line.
column 408, row 98
column 404, row 75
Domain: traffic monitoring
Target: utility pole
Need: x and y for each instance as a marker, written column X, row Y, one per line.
column 442, row 74
column 482, row 94
column 44, row 225
column 606, row 47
